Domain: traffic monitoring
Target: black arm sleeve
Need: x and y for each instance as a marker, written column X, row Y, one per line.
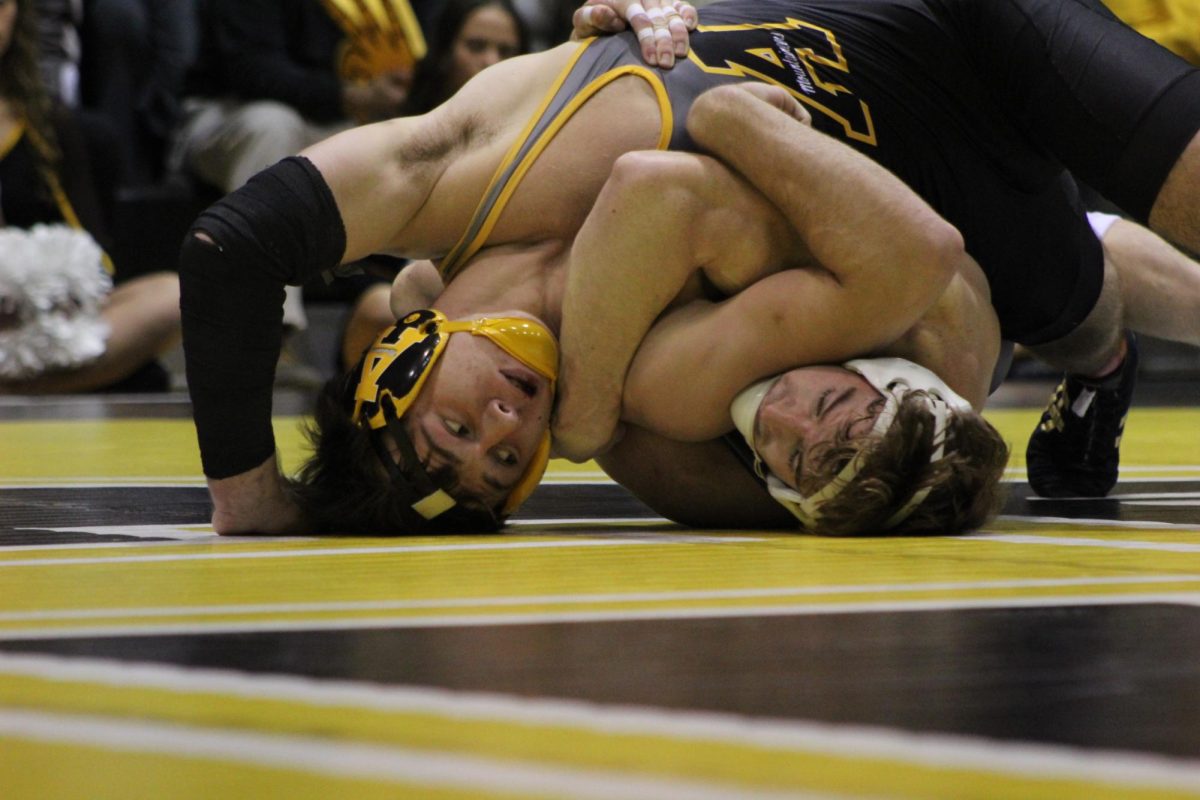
column 282, row 227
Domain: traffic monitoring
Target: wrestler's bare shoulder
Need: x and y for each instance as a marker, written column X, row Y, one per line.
column 481, row 124
column 411, row 185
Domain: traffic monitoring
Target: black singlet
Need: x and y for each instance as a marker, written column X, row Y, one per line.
column 985, row 108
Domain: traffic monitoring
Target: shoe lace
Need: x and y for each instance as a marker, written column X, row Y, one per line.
column 1052, row 420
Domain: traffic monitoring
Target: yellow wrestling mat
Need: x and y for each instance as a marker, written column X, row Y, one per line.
column 592, row 650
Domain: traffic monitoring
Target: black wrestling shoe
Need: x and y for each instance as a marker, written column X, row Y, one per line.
column 1075, row 449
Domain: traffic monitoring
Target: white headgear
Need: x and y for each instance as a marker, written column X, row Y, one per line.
column 894, row 378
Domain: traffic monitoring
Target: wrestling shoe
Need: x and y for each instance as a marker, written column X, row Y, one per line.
column 1075, row 449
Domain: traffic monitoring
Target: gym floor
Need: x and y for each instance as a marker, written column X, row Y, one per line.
column 591, row 650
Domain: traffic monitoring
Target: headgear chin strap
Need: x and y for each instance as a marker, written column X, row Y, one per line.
column 893, row 378
column 394, row 370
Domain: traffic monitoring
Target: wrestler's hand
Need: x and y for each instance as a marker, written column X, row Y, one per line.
column 256, row 501
column 661, row 26
column 583, row 429
column 777, row 96
column 416, row 286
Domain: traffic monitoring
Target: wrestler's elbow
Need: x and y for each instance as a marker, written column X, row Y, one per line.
column 714, row 106
column 662, row 181
column 197, row 252
column 940, row 254
column 636, row 170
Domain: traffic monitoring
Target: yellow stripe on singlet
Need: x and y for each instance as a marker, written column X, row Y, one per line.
column 469, row 245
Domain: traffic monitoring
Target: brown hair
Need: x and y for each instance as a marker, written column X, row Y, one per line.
column 965, row 486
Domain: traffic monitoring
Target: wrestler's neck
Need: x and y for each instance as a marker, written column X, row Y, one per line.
column 523, row 277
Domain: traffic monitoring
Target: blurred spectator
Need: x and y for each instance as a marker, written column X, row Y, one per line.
column 275, row 76
column 60, row 51
column 465, row 37
column 1175, row 24
column 549, row 20
column 61, row 329
column 123, row 63
column 135, row 57
column 266, row 86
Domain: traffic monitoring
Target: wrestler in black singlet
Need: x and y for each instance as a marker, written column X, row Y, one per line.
column 980, row 106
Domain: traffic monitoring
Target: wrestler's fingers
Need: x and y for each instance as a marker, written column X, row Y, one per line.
column 688, row 13
column 661, row 26
column 664, row 44
column 677, row 29
column 594, row 19
column 643, row 27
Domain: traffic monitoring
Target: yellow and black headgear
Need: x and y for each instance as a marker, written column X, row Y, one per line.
column 394, row 370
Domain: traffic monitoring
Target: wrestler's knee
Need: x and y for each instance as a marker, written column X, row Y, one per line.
column 1088, row 348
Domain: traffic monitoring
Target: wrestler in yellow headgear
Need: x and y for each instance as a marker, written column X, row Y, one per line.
column 394, row 370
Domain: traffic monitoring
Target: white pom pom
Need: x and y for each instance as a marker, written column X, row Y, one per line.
column 53, row 287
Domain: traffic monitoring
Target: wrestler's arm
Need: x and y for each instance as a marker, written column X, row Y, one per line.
column 416, row 286
column 376, row 178
column 886, row 257
column 226, row 297
column 698, row 484
column 661, row 221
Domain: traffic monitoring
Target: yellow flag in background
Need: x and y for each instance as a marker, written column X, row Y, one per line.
column 381, row 36
column 1175, row 24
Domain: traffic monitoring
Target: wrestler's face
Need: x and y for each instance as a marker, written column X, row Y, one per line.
column 483, row 413
column 804, row 410
column 489, row 35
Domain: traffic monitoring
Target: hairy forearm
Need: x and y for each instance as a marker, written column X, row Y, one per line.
column 661, row 219
column 631, row 257
column 625, row 268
